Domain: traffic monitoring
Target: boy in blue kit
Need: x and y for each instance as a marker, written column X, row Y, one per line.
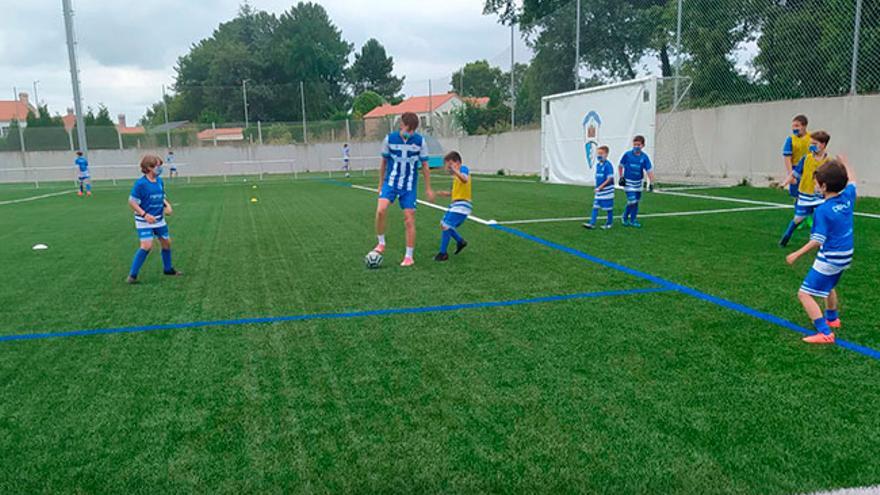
column 172, row 166
column 603, row 196
column 150, row 206
column 633, row 166
column 833, row 235
column 82, row 176
column 403, row 152
column 460, row 207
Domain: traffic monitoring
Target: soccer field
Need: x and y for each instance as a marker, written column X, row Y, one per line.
column 542, row 358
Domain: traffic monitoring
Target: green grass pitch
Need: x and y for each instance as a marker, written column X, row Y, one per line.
column 644, row 392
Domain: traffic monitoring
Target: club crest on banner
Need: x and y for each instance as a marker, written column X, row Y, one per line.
column 592, row 122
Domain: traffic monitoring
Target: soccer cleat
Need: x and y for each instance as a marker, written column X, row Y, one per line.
column 589, row 226
column 89, row 193
column 834, row 324
column 460, row 245
column 441, row 257
column 820, row 338
column 380, row 248
column 607, row 226
column 79, row 193
column 173, row 273
column 635, row 224
column 625, row 222
column 131, row 280
column 407, row 261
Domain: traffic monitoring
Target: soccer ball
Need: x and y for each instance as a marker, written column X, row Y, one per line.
column 373, row 260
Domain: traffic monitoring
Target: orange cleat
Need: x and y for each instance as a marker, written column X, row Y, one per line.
column 833, row 324
column 408, row 261
column 89, row 193
column 380, row 248
column 820, row 338
column 79, row 193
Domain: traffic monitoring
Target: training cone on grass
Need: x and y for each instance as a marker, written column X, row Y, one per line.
column 254, row 200
column 40, row 247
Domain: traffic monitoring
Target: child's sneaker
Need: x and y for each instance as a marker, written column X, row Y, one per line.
column 408, row 261
column 380, row 248
column 460, row 245
column 820, row 338
column 635, row 224
column 441, row 257
column 89, row 193
column 625, row 223
column 607, row 226
column 833, row 324
column 79, row 193
column 589, row 226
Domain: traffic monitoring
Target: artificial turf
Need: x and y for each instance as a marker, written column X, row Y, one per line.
column 649, row 392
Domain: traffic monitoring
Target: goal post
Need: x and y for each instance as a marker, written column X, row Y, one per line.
column 576, row 123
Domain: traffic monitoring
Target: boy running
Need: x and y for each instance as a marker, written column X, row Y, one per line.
column 459, row 209
column 402, row 152
column 833, row 235
column 633, row 166
column 346, row 159
column 603, row 196
column 808, row 199
column 172, row 167
column 82, row 176
column 150, row 207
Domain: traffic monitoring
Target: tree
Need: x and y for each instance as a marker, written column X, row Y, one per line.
column 43, row 119
column 101, row 119
column 365, row 102
column 372, row 71
column 479, row 79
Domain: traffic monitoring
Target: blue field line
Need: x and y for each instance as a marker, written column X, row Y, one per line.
column 866, row 351
column 330, row 316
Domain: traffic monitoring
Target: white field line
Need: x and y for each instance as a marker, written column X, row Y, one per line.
column 746, row 201
column 429, row 205
column 33, row 198
column 693, row 188
column 648, row 215
column 864, row 490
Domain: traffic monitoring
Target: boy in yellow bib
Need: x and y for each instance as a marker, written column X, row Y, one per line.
column 460, row 207
column 808, row 199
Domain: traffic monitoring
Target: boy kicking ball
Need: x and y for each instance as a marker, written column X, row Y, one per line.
column 603, row 197
column 833, row 235
column 150, row 206
column 460, row 207
column 402, row 152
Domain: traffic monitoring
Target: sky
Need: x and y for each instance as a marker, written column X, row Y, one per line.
column 127, row 49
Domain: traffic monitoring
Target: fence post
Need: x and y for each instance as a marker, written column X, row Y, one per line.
column 119, row 135
column 260, row 132
column 70, row 138
column 21, row 137
column 855, row 55
column 214, row 134
column 348, row 129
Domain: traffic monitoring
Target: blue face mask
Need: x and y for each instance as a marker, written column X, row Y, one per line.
column 637, row 149
column 600, row 158
column 796, row 132
column 159, row 170
column 405, row 135
column 814, row 148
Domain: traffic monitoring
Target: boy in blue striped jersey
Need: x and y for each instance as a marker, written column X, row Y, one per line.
column 634, row 164
column 149, row 204
column 402, row 153
column 603, row 196
column 833, row 234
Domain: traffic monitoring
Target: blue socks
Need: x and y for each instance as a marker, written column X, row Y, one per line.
column 594, row 216
column 139, row 258
column 635, row 211
column 822, row 326
column 444, row 240
column 88, row 188
column 455, row 235
column 789, row 231
column 629, row 214
column 166, row 260
column 610, row 219
column 831, row 314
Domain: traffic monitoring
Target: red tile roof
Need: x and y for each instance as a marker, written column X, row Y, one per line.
column 478, row 101
column 416, row 104
column 229, row 134
column 13, row 110
column 130, row 130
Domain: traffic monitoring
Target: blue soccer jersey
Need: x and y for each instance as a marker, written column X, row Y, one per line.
column 150, row 196
column 833, row 228
column 634, row 168
column 604, row 171
column 403, row 159
column 83, row 165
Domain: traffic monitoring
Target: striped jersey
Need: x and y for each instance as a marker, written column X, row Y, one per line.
column 833, row 228
column 462, row 194
column 604, row 170
column 403, row 159
column 807, row 195
column 634, row 168
column 150, row 196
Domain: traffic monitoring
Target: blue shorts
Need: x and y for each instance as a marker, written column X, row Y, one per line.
column 453, row 220
column 804, row 210
column 407, row 198
column 149, row 233
column 603, row 204
column 633, row 196
column 818, row 284
column 173, row 169
column 83, row 177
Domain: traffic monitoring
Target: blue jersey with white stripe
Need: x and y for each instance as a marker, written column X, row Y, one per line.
column 833, row 228
column 604, row 171
column 82, row 164
column 634, row 168
column 403, row 159
column 150, row 196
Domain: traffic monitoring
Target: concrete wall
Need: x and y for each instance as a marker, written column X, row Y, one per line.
column 724, row 144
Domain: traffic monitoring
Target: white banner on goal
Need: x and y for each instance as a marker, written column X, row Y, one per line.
column 574, row 124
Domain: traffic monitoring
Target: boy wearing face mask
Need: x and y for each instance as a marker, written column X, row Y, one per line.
column 633, row 166
column 808, row 199
column 603, row 196
column 796, row 147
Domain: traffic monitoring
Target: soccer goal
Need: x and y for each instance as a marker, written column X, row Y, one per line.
column 576, row 123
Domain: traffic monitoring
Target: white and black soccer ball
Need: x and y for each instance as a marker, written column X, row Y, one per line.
column 373, row 260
